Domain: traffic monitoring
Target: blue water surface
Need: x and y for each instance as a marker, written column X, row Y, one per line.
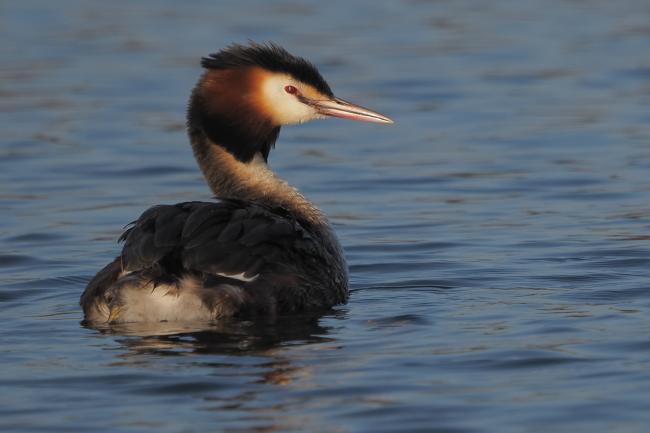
column 498, row 235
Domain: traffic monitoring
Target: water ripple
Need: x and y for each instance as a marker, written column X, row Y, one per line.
column 496, row 234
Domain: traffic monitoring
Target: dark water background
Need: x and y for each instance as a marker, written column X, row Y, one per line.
column 498, row 235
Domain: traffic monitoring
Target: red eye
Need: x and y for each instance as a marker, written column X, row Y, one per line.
column 290, row 89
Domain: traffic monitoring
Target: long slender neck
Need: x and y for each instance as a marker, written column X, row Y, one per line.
column 229, row 177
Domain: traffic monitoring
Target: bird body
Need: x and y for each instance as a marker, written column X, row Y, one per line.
column 261, row 248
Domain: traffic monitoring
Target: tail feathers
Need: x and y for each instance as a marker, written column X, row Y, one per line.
column 93, row 298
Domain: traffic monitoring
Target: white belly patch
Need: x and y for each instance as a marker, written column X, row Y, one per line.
column 187, row 301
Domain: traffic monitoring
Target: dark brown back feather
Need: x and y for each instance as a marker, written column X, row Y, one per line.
column 234, row 237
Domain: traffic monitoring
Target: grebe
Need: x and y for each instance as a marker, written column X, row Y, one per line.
column 261, row 248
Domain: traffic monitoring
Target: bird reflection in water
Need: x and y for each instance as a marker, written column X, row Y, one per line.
column 146, row 342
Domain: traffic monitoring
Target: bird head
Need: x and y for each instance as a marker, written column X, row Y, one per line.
column 248, row 91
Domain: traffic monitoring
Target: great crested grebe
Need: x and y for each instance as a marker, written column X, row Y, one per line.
column 261, row 247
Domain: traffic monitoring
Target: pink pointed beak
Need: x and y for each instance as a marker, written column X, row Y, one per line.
column 337, row 107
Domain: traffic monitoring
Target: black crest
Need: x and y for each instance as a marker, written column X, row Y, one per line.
column 268, row 56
